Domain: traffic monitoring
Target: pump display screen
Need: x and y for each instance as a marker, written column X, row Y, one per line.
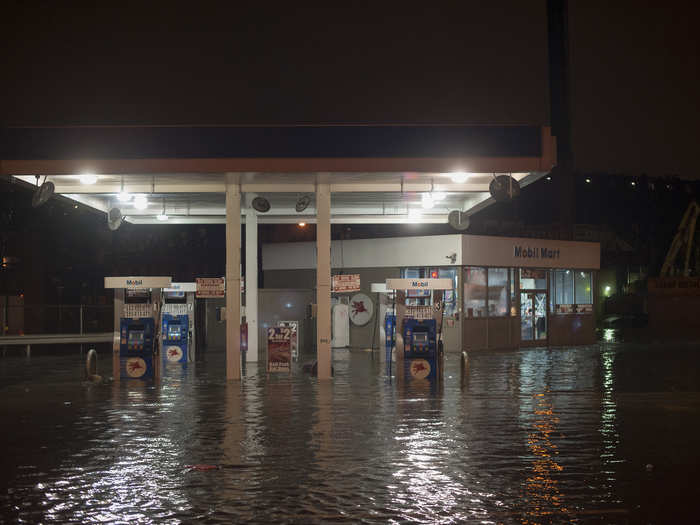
column 173, row 330
column 420, row 337
column 135, row 337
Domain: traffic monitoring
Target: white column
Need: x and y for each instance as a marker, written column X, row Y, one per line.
column 233, row 277
column 251, row 278
column 323, row 278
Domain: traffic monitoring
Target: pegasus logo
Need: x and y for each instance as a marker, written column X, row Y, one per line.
column 134, row 365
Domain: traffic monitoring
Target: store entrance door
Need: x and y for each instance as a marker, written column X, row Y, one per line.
column 533, row 318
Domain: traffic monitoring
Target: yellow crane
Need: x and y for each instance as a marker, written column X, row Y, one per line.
column 684, row 237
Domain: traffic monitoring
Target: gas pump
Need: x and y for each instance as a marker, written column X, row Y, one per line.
column 177, row 341
column 136, row 305
column 418, row 347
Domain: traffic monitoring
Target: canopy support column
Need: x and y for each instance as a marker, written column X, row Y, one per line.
column 233, row 277
column 323, row 279
column 251, row 279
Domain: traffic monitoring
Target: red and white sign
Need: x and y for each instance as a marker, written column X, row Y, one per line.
column 279, row 349
column 135, row 367
column 346, row 283
column 361, row 309
column 211, row 287
column 173, row 353
column 420, row 368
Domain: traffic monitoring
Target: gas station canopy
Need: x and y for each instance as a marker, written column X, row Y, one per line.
column 377, row 174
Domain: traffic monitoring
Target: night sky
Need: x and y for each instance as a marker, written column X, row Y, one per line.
column 635, row 72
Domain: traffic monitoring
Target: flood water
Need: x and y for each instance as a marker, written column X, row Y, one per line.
column 608, row 434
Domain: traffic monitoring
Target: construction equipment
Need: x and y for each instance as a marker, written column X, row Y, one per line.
column 684, row 238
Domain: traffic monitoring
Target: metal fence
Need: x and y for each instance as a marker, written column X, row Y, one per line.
column 56, row 319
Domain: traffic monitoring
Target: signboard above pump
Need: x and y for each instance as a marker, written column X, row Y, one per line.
column 138, row 283
column 419, row 284
column 181, row 287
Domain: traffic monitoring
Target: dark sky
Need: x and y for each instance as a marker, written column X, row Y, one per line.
column 635, row 69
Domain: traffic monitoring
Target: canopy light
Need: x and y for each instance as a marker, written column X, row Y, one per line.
column 414, row 213
column 427, row 201
column 124, row 196
column 459, row 177
column 439, row 196
column 88, row 178
column 140, row 202
column 162, row 217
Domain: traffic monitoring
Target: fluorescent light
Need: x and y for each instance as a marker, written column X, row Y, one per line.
column 459, row 177
column 88, row 178
column 124, row 196
column 427, row 201
column 140, row 202
column 162, row 217
column 414, row 213
column 439, row 196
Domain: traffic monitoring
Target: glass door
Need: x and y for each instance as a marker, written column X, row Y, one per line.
column 533, row 316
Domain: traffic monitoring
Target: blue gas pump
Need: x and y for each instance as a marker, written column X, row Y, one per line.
column 137, row 348
column 420, row 348
column 175, row 335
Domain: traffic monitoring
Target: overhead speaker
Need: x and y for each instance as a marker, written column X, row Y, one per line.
column 261, row 204
column 43, row 193
column 459, row 220
column 504, row 188
column 302, row 203
column 114, row 218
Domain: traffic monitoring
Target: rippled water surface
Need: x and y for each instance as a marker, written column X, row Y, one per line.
column 598, row 434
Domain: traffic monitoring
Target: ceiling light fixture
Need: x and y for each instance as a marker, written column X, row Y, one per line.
column 140, row 202
column 414, row 213
column 162, row 217
column 459, row 177
column 88, row 178
column 439, row 196
column 427, row 201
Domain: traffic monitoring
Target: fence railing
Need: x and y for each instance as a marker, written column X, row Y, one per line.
column 56, row 319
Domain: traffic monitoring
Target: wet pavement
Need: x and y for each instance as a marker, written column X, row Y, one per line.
column 608, row 433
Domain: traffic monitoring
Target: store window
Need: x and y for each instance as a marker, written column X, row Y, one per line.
column 562, row 291
column 532, row 279
column 582, row 284
column 498, row 292
column 475, row 292
column 424, row 297
column 570, row 291
column 450, row 296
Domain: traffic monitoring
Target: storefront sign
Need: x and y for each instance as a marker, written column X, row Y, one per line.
column 535, row 252
column 279, row 349
column 419, row 284
column 482, row 250
column 137, row 283
column 675, row 285
column 346, row 283
column 208, row 287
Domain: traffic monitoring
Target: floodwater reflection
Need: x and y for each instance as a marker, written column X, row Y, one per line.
column 534, row 436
